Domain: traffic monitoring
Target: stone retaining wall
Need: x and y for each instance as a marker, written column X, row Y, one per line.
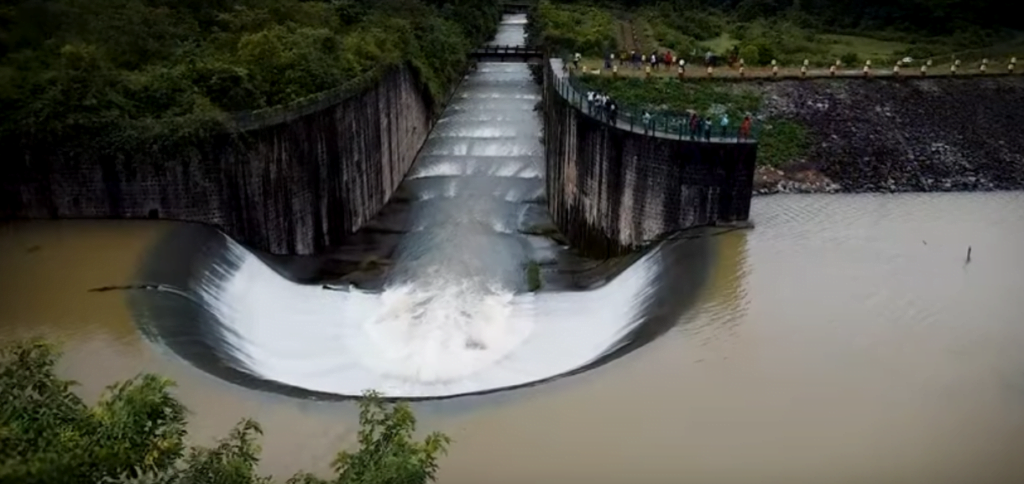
column 291, row 183
column 611, row 190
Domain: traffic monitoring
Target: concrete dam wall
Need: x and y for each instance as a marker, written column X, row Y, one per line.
column 294, row 182
column 611, row 190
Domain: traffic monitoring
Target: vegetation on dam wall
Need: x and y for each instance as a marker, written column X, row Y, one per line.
column 116, row 74
column 136, row 434
column 286, row 123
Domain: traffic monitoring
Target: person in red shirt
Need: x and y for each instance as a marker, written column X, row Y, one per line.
column 745, row 128
column 668, row 58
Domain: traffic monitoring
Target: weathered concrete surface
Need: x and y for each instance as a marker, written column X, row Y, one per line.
column 611, row 190
column 294, row 187
column 903, row 135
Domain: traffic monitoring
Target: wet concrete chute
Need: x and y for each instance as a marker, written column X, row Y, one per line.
column 448, row 309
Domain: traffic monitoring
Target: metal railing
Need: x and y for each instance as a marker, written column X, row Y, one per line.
column 659, row 124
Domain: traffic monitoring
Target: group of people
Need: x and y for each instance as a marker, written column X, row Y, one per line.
column 703, row 126
column 603, row 106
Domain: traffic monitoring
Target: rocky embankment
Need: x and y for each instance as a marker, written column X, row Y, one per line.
column 900, row 135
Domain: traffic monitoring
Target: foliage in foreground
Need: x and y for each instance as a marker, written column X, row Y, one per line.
column 137, row 434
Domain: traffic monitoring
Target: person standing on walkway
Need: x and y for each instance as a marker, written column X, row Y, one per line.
column 647, row 121
column 694, row 126
column 745, row 127
column 668, row 59
column 608, row 59
column 654, row 60
column 724, row 123
column 635, row 58
column 707, row 128
column 613, row 112
column 576, row 61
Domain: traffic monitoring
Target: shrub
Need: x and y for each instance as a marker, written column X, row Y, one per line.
column 850, row 59
column 750, row 54
column 136, row 435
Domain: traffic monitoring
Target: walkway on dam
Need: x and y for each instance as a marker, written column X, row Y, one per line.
column 675, row 128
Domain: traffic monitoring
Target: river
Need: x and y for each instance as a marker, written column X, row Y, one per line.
column 844, row 339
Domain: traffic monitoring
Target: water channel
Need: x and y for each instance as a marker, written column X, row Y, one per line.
column 845, row 339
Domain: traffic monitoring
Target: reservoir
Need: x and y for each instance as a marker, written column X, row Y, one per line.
column 844, row 339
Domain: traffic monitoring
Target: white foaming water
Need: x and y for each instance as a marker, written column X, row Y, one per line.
column 415, row 340
column 449, row 321
column 454, row 166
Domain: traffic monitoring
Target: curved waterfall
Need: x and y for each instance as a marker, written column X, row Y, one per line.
column 454, row 316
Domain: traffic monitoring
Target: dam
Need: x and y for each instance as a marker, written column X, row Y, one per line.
column 452, row 314
column 843, row 339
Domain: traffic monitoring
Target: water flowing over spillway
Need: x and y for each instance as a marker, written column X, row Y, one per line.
column 455, row 315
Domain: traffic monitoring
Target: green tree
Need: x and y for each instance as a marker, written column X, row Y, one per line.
column 136, row 435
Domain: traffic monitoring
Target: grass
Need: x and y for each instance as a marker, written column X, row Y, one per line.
column 781, row 141
column 668, row 95
column 533, row 279
column 721, row 44
column 862, row 46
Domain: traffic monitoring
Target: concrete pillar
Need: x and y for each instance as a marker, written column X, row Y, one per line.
column 803, row 68
column 984, row 65
column 867, row 68
column 647, row 70
column 1009, row 68
column 711, row 71
column 775, row 68
column 615, row 71
column 832, row 70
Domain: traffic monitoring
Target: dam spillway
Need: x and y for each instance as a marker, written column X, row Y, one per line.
column 454, row 314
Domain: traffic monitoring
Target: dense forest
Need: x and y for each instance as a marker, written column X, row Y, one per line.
column 932, row 16
column 127, row 69
column 787, row 30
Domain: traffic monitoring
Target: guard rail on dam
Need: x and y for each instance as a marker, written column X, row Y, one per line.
column 612, row 189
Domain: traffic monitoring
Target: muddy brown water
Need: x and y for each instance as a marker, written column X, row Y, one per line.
column 842, row 340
